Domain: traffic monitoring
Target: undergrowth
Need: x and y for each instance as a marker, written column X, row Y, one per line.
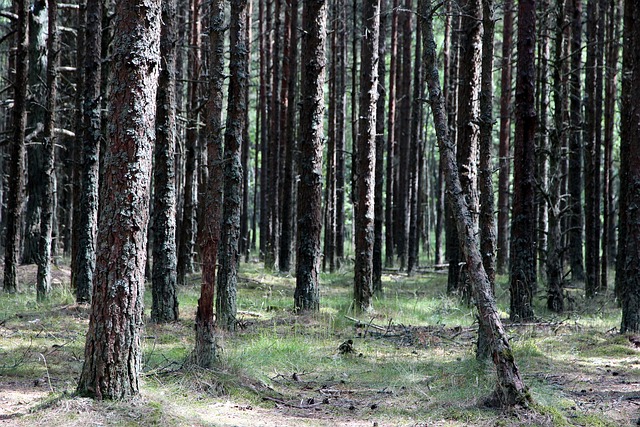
column 412, row 361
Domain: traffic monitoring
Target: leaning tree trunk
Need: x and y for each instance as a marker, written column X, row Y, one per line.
column 164, row 305
column 43, row 285
column 205, row 351
column 16, row 170
column 113, row 353
column 363, row 281
column 85, row 262
column 226, row 305
column 510, row 390
column 307, row 295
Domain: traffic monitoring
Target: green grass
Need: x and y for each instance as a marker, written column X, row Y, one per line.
column 422, row 371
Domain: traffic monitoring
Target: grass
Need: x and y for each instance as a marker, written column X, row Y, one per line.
column 283, row 369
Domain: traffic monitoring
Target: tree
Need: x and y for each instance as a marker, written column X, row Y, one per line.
column 16, row 171
column 164, row 305
column 629, row 252
column 505, row 139
column 307, row 295
column 510, row 390
column 363, row 281
column 85, row 260
column 43, row 285
column 523, row 220
column 237, row 104
column 204, row 353
column 113, row 346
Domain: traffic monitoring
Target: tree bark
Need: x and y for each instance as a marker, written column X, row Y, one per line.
column 364, row 220
column 307, row 295
column 205, row 352
column 164, row 306
column 91, row 134
column 523, row 220
column 113, row 348
column 16, row 170
column 504, row 196
column 226, row 305
column 629, row 254
column 341, row 88
column 43, row 285
column 510, row 390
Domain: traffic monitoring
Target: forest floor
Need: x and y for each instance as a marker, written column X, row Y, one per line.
column 409, row 363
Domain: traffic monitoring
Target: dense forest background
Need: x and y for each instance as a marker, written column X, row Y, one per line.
column 319, row 136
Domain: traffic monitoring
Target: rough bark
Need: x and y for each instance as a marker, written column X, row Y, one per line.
column 226, row 305
column 85, row 261
column 592, row 156
column 380, row 148
column 629, row 254
column 186, row 239
column 504, row 196
column 205, row 352
column 523, row 220
column 288, row 178
column 485, row 181
column 16, row 169
column 113, row 346
column 341, row 86
column 574, row 178
column 43, row 284
column 164, row 306
column 307, row 295
column 390, row 170
column 364, row 220
column 510, row 390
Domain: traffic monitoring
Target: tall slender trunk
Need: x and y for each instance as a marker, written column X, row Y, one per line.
column 16, row 169
column 43, row 285
column 341, row 87
column 523, row 220
column 574, row 178
column 164, row 306
column 244, row 245
column 380, row 148
column 205, row 352
column 364, row 221
column 226, row 305
column 391, row 142
column 307, row 295
column 505, row 140
column 288, row 184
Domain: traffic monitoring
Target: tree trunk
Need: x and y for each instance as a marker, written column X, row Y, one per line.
column 35, row 124
column 16, row 170
column 380, row 146
column 510, row 390
column 575, row 244
column 592, row 156
column 113, row 352
column 164, row 306
column 237, row 104
column 205, row 352
column 485, row 182
column 364, row 220
column 505, row 140
column 244, row 245
column 391, row 142
column 523, row 220
column 43, row 285
column 288, row 178
column 186, row 239
column 629, row 254
column 341, row 88
column 307, row 296
column 86, row 228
